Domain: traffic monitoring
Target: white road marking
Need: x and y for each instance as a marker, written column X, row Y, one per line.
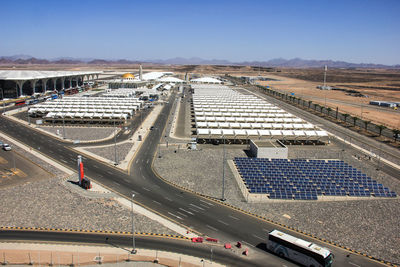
column 354, row 264
column 212, row 228
column 157, row 202
column 94, row 165
column 233, row 217
column 204, row 206
column 175, row 215
column 147, row 162
column 200, row 208
column 244, row 242
column 194, row 210
column 109, row 172
column 266, row 230
column 116, row 183
column 206, row 202
column 184, row 215
column 223, row 222
column 256, row 236
column 168, row 199
column 137, row 161
column 186, row 211
column 64, row 161
column 146, row 189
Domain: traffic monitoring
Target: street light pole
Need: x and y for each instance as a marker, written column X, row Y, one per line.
column 14, row 161
column 115, row 142
column 133, row 230
column 63, row 127
column 223, row 173
column 2, row 98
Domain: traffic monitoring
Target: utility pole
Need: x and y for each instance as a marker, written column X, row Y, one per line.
column 115, row 142
column 133, row 230
column 63, row 127
column 2, row 98
column 223, row 173
column 326, row 68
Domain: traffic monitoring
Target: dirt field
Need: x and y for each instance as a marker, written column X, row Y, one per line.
column 356, row 106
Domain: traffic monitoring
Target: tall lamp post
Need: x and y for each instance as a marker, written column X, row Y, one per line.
column 223, row 173
column 115, row 142
column 2, row 98
column 133, row 230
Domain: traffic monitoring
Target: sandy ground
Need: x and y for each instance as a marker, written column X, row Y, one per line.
column 356, row 106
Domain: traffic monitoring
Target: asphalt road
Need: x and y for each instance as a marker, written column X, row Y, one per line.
column 124, row 242
column 204, row 216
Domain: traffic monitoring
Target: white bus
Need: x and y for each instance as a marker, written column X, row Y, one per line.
column 298, row 250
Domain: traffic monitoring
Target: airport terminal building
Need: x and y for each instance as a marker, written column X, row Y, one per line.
column 15, row 83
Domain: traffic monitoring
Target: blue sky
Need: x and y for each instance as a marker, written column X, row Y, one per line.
column 355, row 31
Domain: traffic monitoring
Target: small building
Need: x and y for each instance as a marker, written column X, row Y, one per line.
column 273, row 149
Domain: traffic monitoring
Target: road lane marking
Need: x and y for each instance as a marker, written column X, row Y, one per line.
column 200, row 208
column 204, row 206
column 186, row 211
column 206, row 202
column 147, row 162
column 212, row 228
column 233, row 217
column 109, row 172
column 157, row 202
column 184, row 215
column 244, row 242
column 116, row 183
column 223, row 222
column 146, row 189
column 168, row 199
column 354, row 264
column 64, row 161
column 256, row 236
column 137, row 161
column 194, row 210
column 180, row 218
column 266, row 230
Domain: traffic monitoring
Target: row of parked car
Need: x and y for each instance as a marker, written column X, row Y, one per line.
column 4, row 146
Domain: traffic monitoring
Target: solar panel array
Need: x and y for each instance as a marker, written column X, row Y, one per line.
column 307, row 179
column 222, row 111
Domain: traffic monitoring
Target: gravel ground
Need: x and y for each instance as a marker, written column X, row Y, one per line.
column 81, row 133
column 108, row 152
column 53, row 203
column 370, row 226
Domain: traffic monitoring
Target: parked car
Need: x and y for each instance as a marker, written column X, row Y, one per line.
column 6, row 147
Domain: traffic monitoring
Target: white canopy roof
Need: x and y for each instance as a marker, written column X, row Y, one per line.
column 40, row 74
column 206, row 80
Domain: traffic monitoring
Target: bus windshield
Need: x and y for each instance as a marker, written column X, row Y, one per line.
column 329, row 260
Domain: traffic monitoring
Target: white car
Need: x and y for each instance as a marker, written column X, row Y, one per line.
column 6, row 147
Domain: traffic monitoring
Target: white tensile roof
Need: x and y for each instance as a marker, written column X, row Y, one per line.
column 171, row 80
column 206, row 80
column 39, row 74
column 154, row 75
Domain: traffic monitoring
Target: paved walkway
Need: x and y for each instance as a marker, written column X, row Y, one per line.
column 43, row 254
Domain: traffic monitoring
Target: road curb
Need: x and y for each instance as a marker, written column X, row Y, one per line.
column 43, row 229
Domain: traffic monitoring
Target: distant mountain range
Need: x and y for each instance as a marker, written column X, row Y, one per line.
column 277, row 62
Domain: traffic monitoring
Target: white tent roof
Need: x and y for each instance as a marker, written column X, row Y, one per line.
column 171, row 80
column 30, row 74
column 206, row 80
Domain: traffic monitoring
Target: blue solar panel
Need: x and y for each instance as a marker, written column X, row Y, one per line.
column 306, row 179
